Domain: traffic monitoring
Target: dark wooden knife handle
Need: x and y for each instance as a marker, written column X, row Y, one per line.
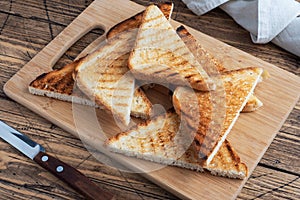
column 72, row 177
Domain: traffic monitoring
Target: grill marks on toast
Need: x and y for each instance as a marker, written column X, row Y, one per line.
column 103, row 76
column 154, row 137
column 154, row 140
column 211, row 65
column 238, row 85
column 135, row 21
column 164, row 49
column 227, row 163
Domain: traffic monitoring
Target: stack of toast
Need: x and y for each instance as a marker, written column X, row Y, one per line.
column 207, row 98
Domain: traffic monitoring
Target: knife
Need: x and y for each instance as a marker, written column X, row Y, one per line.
column 63, row 171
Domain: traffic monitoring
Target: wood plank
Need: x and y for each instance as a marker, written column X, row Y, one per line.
column 24, row 179
column 271, row 184
column 284, row 151
column 11, row 64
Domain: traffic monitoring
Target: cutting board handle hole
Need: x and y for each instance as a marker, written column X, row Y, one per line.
column 81, row 47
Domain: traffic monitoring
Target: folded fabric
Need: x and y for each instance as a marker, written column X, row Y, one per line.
column 268, row 20
column 202, row 6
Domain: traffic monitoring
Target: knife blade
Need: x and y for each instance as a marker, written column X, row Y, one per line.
column 63, row 171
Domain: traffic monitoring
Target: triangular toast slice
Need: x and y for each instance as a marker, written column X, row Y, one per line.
column 206, row 106
column 211, row 64
column 227, row 163
column 154, row 140
column 160, row 55
column 59, row 84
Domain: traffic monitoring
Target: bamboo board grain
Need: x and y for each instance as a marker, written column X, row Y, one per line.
column 251, row 135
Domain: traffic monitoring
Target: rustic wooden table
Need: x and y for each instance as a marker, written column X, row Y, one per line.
column 27, row 26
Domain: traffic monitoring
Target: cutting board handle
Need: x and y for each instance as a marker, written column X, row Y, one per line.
column 62, row 42
column 66, row 39
column 92, row 47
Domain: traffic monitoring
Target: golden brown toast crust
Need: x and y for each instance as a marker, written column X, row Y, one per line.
column 136, row 20
column 59, row 80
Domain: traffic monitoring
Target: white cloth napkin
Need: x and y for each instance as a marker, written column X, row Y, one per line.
column 277, row 21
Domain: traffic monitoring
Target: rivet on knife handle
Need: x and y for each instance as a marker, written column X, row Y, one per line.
column 73, row 177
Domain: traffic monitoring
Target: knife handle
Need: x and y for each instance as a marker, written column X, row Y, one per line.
column 72, row 177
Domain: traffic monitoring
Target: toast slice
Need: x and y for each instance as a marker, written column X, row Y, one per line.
column 59, row 84
column 160, row 55
column 135, row 21
column 227, row 163
column 104, row 77
column 209, row 135
column 154, row 140
column 212, row 65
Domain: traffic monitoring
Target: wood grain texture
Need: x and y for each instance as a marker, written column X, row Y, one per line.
column 72, row 177
column 26, row 29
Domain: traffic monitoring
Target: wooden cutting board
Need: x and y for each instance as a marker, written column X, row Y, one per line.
column 251, row 135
